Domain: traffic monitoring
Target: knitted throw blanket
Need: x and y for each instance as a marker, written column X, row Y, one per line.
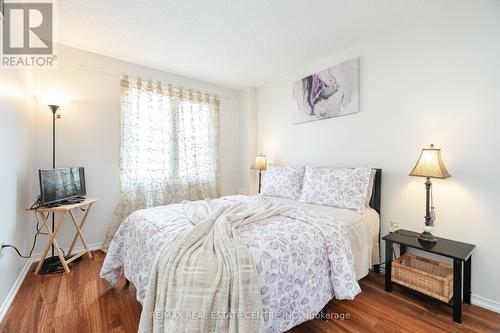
column 206, row 280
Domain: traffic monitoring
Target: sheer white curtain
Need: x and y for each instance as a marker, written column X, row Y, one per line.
column 169, row 147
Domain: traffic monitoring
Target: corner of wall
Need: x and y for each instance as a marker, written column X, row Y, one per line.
column 248, row 139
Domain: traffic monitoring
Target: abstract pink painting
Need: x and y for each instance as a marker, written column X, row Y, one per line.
column 330, row 93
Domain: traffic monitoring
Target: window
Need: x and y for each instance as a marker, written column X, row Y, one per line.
column 169, row 147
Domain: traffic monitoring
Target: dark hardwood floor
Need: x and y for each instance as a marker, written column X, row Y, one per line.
column 82, row 302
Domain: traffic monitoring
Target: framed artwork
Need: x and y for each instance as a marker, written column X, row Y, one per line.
column 332, row 92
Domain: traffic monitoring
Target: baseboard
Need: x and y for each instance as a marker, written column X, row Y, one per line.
column 26, row 268
column 485, row 303
column 475, row 299
column 94, row 246
column 15, row 288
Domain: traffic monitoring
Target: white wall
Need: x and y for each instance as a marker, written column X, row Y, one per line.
column 247, row 140
column 438, row 82
column 16, row 156
column 89, row 132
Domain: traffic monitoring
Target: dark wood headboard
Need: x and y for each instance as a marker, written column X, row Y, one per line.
column 375, row 204
column 375, row 199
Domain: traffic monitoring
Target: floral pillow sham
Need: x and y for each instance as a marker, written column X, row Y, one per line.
column 371, row 182
column 283, row 181
column 338, row 187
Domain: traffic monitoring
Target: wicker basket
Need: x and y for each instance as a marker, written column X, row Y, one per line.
column 426, row 276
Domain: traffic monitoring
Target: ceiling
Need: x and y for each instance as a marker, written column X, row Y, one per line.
column 232, row 43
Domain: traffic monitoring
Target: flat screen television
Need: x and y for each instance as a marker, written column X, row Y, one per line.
column 58, row 185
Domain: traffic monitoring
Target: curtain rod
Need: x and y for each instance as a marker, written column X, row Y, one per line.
column 80, row 66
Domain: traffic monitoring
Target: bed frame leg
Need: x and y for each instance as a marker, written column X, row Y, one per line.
column 376, row 268
column 127, row 283
column 323, row 314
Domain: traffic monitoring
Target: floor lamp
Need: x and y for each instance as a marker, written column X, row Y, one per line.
column 54, row 102
column 52, row 263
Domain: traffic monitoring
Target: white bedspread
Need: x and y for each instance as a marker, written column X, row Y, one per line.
column 294, row 255
column 363, row 231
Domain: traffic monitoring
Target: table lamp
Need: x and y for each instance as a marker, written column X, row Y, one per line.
column 430, row 165
column 260, row 164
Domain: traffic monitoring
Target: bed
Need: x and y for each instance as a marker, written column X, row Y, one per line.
column 294, row 288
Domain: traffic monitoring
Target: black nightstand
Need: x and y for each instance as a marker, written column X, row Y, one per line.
column 461, row 253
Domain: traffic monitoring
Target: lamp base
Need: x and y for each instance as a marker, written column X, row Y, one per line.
column 427, row 239
column 51, row 265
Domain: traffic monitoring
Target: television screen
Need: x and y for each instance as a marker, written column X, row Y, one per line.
column 61, row 184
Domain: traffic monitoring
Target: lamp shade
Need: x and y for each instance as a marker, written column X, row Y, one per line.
column 430, row 164
column 260, row 162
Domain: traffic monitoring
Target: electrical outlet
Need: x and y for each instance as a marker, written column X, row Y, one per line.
column 1, row 249
column 394, row 225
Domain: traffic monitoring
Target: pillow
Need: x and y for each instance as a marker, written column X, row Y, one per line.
column 283, row 181
column 337, row 187
column 370, row 187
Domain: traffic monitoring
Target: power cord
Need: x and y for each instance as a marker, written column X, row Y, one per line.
column 38, row 228
column 32, row 247
column 382, row 269
column 15, row 248
column 402, row 233
column 38, row 232
column 37, row 203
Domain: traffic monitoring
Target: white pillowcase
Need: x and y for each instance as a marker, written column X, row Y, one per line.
column 337, row 187
column 283, row 181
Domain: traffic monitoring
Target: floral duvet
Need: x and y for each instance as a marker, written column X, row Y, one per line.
column 303, row 258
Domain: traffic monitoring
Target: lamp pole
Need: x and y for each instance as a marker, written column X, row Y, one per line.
column 426, row 237
column 53, row 262
column 54, row 109
column 260, row 177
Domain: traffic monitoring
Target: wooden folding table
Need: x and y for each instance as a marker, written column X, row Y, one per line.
column 63, row 210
